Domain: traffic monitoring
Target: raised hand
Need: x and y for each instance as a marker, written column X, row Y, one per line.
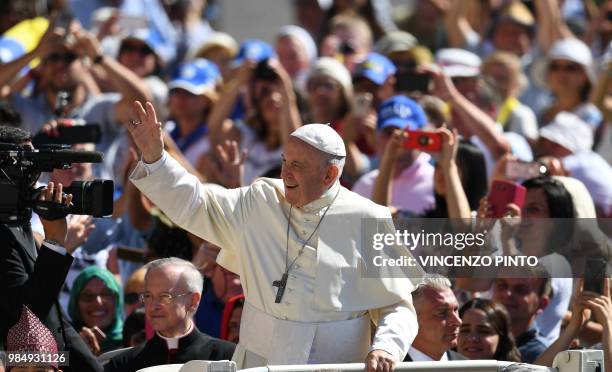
column 93, row 337
column 450, row 144
column 52, row 40
column 55, row 230
column 600, row 304
column 244, row 73
column 146, row 132
column 230, row 168
column 443, row 85
column 79, row 227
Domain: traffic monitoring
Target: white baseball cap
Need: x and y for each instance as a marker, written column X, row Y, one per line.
column 456, row 62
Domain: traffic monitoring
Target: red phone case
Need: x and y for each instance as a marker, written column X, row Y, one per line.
column 503, row 193
column 425, row 141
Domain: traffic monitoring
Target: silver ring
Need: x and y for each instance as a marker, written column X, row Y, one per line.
column 135, row 122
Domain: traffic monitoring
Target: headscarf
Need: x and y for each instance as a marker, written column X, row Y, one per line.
column 114, row 331
column 230, row 305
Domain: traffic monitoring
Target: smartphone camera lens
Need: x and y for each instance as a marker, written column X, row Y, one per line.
column 542, row 170
column 423, row 140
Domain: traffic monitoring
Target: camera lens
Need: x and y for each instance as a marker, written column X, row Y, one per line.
column 423, row 140
column 91, row 197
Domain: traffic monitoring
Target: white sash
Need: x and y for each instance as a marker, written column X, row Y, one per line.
column 281, row 342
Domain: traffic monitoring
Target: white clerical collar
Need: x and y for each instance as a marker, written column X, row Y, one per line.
column 325, row 199
column 418, row 356
column 173, row 342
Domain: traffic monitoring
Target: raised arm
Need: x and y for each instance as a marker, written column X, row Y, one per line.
column 52, row 39
column 211, row 213
column 123, row 80
column 551, row 25
column 457, row 25
column 290, row 115
column 601, row 306
column 456, row 200
column 218, row 123
column 381, row 193
column 476, row 120
column 580, row 316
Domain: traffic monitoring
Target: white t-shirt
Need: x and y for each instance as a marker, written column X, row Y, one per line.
column 549, row 321
column 259, row 159
column 412, row 191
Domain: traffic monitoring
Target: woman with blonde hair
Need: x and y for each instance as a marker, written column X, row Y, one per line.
column 504, row 71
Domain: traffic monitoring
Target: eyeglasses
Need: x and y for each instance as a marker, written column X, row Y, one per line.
column 131, row 298
column 328, row 86
column 567, row 67
column 142, row 49
column 147, row 298
column 68, row 58
column 91, row 297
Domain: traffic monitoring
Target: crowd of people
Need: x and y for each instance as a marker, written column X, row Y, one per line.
column 429, row 105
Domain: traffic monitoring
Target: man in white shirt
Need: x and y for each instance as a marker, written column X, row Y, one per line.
column 307, row 300
column 438, row 314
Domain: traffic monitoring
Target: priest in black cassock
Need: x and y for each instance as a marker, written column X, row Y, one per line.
column 173, row 289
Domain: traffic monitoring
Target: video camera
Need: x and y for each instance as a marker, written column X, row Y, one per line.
column 20, row 167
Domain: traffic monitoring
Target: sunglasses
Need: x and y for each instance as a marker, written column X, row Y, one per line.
column 68, row 58
column 131, row 298
column 567, row 67
column 142, row 49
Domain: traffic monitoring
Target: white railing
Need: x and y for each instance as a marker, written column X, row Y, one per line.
column 566, row 361
column 449, row 366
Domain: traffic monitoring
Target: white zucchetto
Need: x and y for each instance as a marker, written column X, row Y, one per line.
column 322, row 137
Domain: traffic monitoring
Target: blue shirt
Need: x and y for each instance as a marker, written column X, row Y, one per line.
column 531, row 345
column 209, row 314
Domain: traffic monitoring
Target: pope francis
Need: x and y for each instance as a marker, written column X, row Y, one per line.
column 295, row 243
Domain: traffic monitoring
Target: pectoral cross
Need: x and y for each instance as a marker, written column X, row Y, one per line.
column 281, row 284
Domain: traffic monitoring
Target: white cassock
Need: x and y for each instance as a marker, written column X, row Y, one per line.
column 327, row 307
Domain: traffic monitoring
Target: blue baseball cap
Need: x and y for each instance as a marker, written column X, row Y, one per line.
column 376, row 68
column 253, row 49
column 401, row 112
column 197, row 77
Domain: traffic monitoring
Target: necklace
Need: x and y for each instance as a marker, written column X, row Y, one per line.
column 282, row 283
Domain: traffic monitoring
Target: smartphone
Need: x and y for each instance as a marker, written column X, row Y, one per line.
column 412, row 81
column 63, row 20
column 424, row 141
column 518, row 170
column 362, row 103
column 594, row 275
column 88, row 133
column 503, row 193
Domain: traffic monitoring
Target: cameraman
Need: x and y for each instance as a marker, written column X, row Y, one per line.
column 33, row 276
